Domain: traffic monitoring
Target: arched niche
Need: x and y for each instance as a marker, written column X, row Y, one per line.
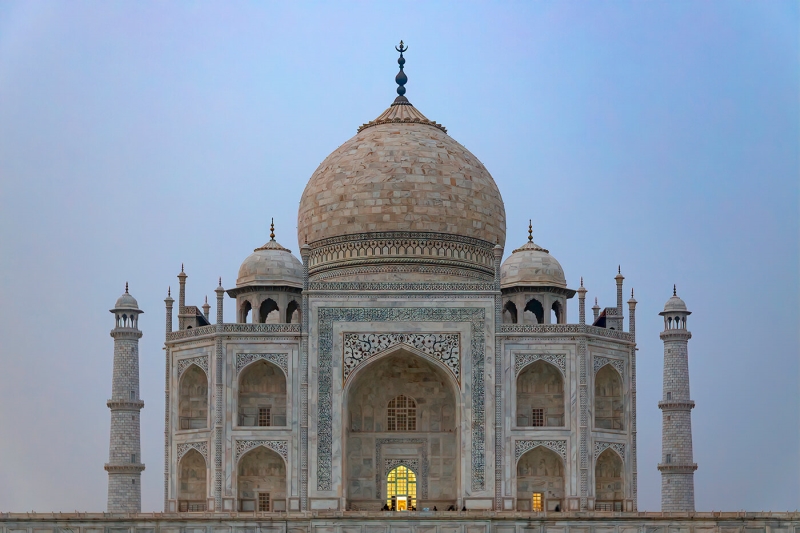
column 261, row 398
column 245, row 312
column 540, row 396
column 193, row 399
column 293, row 312
column 192, row 489
column 261, row 481
column 509, row 313
column 540, row 471
column 609, row 481
column 534, row 312
column 557, row 311
column 371, row 443
column 269, row 312
column 608, row 399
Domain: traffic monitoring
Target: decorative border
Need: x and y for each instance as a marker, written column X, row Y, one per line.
column 261, row 328
column 423, row 472
column 523, row 446
column 244, row 446
column 601, row 446
column 566, row 328
column 201, row 447
column 194, row 332
column 279, row 359
column 403, row 268
column 359, row 347
column 399, row 286
column 201, row 361
column 328, row 315
column 524, row 359
column 600, row 362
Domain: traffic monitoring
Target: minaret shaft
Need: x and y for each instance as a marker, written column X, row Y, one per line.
column 124, row 455
column 677, row 458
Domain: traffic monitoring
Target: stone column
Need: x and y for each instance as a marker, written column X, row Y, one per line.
column 498, row 384
column 632, row 328
column 124, row 465
column 168, row 301
column 581, row 305
column 305, row 252
column 218, row 425
column 677, row 464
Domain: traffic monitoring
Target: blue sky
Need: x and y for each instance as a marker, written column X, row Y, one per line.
column 662, row 136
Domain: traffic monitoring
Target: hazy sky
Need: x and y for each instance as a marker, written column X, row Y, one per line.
column 662, row 136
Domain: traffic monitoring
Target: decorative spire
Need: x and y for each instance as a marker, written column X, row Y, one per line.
column 631, row 292
column 401, row 77
column 169, row 292
column 272, row 229
column 674, row 290
column 206, row 299
column 220, row 281
column 126, row 287
column 181, row 268
column 595, row 300
column 581, row 281
column 530, row 230
column 619, row 269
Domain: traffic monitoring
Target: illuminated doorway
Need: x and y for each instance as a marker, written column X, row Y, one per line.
column 401, row 489
column 537, row 502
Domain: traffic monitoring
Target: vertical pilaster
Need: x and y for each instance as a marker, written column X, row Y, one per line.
column 182, row 299
column 634, row 459
column 218, row 426
column 498, row 384
column 582, row 304
column 619, row 278
column 305, row 251
column 595, row 311
column 583, row 430
column 167, row 433
column 124, row 465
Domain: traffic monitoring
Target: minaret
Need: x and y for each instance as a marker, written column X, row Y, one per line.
column 677, row 466
column 124, row 457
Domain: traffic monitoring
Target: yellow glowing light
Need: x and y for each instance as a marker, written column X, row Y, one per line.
column 401, row 481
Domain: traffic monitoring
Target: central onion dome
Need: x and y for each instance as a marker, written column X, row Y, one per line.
column 401, row 192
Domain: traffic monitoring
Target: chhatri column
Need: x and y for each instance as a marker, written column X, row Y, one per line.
column 124, row 465
column 677, row 464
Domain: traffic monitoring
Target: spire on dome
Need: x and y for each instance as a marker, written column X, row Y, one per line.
column 674, row 290
column 126, row 287
column 530, row 230
column 272, row 229
column 401, row 78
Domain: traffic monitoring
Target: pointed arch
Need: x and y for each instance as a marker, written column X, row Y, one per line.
column 540, row 396
column 261, row 481
column 192, row 482
column 193, row 398
column 245, row 311
column 293, row 312
column 268, row 312
column 558, row 313
column 609, row 476
column 510, row 313
column 608, row 398
column 261, row 395
column 540, row 471
column 534, row 310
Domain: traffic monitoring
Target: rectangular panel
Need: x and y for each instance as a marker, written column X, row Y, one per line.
column 449, row 529
column 375, row 529
column 476, row 528
column 323, row 504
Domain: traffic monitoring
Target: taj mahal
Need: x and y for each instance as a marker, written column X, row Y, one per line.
column 395, row 375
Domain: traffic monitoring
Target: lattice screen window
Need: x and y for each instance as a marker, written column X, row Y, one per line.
column 402, row 414
column 537, row 502
column 537, row 417
column 264, row 416
column 263, row 501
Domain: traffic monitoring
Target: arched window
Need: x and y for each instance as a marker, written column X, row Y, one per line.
column 608, row 400
column 557, row 313
column 193, row 399
column 509, row 313
column 293, row 313
column 262, row 395
column 534, row 312
column 269, row 312
column 261, row 481
column 540, row 396
column 609, row 482
column 402, row 414
column 401, row 489
column 192, row 483
column 244, row 312
column 540, row 480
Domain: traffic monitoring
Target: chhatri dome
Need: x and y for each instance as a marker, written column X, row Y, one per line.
column 404, row 177
column 271, row 264
column 532, row 265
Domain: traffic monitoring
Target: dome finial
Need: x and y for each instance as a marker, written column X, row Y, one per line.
column 674, row 290
column 401, row 77
column 126, row 287
column 272, row 229
column 581, row 281
column 530, row 230
column 169, row 292
column 220, row 281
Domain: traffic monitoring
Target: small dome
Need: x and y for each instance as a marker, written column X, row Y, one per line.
column 126, row 301
column 675, row 304
column 531, row 264
column 271, row 264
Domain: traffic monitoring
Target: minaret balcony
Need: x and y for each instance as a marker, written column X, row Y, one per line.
column 125, row 404
column 677, row 468
column 129, row 468
column 676, row 405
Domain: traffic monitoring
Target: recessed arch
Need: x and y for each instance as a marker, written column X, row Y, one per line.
column 534, row 312
column 609, row 476
column 261, row 395
column 402, row 347
column 245, row 311
column 540, row 471
column 269, row 312
column 540, row 400
column 510, row 313
column 193, row 398
column 261, row 481
column 293, row 312
column 608, row 399
column 558, row 313
column 192, row 486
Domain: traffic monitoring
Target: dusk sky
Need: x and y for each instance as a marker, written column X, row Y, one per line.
column 660, row 136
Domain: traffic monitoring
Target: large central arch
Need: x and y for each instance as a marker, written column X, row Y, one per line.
column 401, row 408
